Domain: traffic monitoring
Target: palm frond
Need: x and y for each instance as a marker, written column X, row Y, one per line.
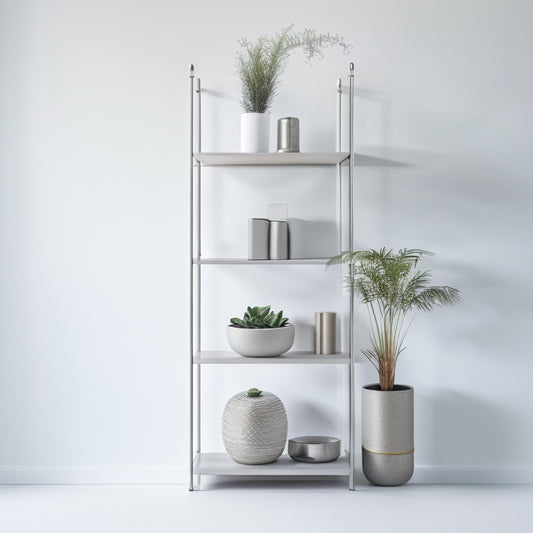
column 440, row 296
column 389, row 284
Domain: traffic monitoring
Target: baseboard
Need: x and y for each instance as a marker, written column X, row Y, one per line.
column 92, row 475
column 462, row 475
column 424, row 475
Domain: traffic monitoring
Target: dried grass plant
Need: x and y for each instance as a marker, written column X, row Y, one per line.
column 260, row 64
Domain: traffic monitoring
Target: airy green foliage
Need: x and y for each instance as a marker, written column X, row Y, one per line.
column 260, row 64
column 391, row 286
column 260, row 317
column 254, row 392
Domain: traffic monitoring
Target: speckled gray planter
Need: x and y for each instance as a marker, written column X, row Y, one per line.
column 387, row 434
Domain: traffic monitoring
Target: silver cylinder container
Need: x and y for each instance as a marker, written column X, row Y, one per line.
column 288, row 134
column 279, row 239
column 325, row 333
column 258, row 238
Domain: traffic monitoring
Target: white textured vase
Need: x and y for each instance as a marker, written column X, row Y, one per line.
column 255, row 132
column 254, row 428
column 387, row 432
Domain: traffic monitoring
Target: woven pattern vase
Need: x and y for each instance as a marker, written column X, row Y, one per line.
column 254, row 428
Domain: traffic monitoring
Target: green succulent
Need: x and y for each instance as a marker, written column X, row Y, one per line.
column 260, row 318
column 253, row 392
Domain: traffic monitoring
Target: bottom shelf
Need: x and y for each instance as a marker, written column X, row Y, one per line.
column 221, row 464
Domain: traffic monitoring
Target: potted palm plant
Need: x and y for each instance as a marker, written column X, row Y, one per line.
column 391, row 287
column 260, row 65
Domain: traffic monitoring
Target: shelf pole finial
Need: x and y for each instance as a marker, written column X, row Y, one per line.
column 191, row 71
column 352, row 68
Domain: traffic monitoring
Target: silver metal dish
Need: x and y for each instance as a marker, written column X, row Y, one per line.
column 314, row 449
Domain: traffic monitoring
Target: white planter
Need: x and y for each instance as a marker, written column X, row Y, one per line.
column 254, row 428
column 387, row 434
column 255, row 132
column 268, row 342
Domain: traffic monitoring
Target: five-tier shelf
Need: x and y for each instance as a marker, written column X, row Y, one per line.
column 204, row 463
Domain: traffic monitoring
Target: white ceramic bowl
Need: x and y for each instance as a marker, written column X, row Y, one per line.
column 268, row 342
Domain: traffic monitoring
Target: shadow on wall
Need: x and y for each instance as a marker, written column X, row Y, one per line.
column 311, row 238
column 305, row 334
column 374, row 112
column 461, row 430
column 309, row 419
column 491, row 308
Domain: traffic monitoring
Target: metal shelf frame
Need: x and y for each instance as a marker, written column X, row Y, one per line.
column 201, row 463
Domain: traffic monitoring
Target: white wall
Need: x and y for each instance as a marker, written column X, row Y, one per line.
column 93, row 223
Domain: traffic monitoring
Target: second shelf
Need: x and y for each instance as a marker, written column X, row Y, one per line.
column 289, row 358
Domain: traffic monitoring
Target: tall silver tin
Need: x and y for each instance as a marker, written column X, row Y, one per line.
column 288, row 134
column 258, row 237
column 279, row 239
column 325, row 333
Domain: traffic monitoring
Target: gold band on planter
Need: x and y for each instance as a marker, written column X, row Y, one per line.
column 388, row 453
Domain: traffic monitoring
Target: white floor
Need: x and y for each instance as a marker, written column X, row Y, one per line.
column 272, row 507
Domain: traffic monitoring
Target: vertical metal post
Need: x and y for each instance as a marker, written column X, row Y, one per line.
column 199, row 280
column 351, row 231
column 339, row 115
column 199, row 169
column 341, row 232
column 351, row 165
column 191, row 281
column 339, row 168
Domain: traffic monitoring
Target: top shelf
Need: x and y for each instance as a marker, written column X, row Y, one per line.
column 268, row 159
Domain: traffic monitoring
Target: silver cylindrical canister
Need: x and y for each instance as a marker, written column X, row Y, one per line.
column 288, row 134
column 279, row 239
column 325, row 333
column 258, row 238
